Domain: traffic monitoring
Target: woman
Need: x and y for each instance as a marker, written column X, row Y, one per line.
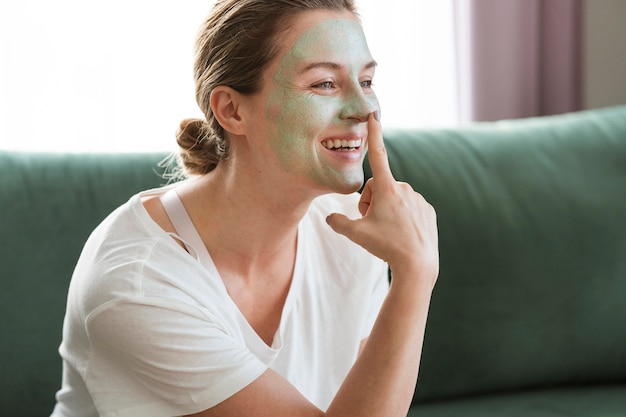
column 256, row 286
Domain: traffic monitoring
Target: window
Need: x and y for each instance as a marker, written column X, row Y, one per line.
column 116, row 76
column 413, row 42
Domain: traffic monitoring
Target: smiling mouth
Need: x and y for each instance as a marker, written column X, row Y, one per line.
column 342, row 145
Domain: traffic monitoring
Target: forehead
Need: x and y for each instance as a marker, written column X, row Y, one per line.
column 326, row 35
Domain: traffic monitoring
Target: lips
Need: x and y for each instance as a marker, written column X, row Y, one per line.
column 342, row 144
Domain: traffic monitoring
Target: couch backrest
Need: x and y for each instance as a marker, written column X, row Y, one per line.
column 49, row 204
column 532, row 221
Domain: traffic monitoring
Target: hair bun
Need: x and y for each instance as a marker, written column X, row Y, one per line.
column 200, row 148
column 190, row 130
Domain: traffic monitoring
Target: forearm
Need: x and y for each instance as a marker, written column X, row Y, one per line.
column 382, row 381
column 399, row 226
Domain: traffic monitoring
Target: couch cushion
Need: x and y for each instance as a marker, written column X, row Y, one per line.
column 594, row 401
column 532, row 220
column 49, row 203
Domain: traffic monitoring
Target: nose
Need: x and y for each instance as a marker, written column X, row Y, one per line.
column 357, row 105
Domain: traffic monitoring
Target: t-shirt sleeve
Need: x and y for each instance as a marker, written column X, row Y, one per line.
column 160, row 357
column 380, row 287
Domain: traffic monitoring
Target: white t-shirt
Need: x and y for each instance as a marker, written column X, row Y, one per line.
column 149, row 331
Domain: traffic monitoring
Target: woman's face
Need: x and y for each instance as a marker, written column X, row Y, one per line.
column 315, row 100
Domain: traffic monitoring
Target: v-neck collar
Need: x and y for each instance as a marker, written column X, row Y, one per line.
column 188, row 234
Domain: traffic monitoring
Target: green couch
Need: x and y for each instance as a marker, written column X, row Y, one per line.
column 528, row 317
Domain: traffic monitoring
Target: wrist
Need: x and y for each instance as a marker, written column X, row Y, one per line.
column 412, row 276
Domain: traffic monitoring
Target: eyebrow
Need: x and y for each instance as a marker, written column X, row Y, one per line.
column 332, row 65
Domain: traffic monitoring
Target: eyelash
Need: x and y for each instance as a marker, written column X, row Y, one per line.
column 327, row 85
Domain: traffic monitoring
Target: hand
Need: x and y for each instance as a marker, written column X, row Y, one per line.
column 397, row 224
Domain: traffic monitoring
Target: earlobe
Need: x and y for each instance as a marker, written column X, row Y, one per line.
column 225, row 107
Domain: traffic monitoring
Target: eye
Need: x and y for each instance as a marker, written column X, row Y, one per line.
column 326, row 85
column 367, row 84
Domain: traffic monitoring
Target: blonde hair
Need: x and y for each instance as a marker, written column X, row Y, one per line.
column 235, row 44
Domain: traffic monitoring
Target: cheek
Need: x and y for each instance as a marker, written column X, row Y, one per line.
column 285, row 120
column 300, row 119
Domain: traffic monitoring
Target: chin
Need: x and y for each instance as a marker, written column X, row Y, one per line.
column 349, row 184
column 346, row 182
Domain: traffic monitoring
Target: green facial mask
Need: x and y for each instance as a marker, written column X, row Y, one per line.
column 300, row 114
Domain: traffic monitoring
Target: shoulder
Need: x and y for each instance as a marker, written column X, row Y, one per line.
column 128, row 255
column 129, row 219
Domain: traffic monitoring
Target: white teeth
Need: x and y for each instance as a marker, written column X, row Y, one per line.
column 341, row 143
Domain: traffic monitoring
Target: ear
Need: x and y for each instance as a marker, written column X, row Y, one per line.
column 225, row 106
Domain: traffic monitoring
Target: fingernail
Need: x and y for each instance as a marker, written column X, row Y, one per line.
column 377, row 115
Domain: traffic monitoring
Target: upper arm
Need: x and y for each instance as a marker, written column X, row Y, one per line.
column 167, row 358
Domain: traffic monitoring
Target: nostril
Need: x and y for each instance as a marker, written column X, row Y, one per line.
column 359, row 114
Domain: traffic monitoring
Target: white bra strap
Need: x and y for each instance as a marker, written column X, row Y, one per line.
column 185, row 229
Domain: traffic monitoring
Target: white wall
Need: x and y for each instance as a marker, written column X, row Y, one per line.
column 605, row 53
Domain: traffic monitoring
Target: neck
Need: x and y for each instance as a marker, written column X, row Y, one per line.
column 248, row 223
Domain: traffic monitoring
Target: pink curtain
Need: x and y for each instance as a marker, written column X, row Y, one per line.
column 518, row 58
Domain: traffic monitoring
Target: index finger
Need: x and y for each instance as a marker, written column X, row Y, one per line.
column 376, row 151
